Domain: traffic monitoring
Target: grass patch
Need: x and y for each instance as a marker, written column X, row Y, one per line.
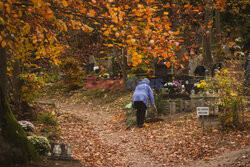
column 131, row 117
column 179, row 123
column 47, row 118
column 105, row 95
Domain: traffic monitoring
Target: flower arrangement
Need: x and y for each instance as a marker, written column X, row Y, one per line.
column 27, row 126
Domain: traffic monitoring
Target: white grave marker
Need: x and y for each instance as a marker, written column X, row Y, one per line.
column 202, row 111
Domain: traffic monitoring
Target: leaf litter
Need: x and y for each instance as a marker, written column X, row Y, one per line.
column 99, row 137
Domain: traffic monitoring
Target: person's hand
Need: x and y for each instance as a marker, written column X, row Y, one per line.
column 155, row 107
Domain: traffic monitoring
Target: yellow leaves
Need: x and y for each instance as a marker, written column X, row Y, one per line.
column 92, row 13
column 110, row 45
column 106, row 33
column 56, row 62
column 126, row 7
column 187, row 5
column 71, row 16
column 73, row 23
column 129, row 36
column 167, row 27
column 121, row 45
column 133, row 40
column 117, row 35
column 165, row 13
column 48, row 13
column 15, row 16
column 210, row 22
column 139, row 56
column 3, row 44
column 230, row 119
column 115, row 29
column 140, row 6
column 1, row 6
column 20, row 13
column 1, row 38
column 84, row 29
column 1, row 20
column 168, row 64
column 26, row 28
column 123, row 32
column 234, row 94
column 64, row 26
column 177, row 32
column 37, row 3
column 83, row 10
column 65, row 3
column 172, row 58
column 34, row 41
column 166, row 34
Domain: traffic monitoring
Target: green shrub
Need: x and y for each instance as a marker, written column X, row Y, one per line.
column 32, row 87
column 159, row 102
column 40, row 143
column 47, row 119
column 229, row 90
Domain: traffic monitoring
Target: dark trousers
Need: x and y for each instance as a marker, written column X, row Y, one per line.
column 141, row 111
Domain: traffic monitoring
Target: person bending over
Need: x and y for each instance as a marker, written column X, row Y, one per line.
column 142, row 93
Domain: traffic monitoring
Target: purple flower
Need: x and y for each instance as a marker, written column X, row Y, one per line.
column 27, row 126
column 177, row 83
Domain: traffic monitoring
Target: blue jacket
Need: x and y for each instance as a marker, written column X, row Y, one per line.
column 143, row 92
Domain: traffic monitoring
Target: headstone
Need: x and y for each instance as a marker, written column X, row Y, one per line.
column 172, row 107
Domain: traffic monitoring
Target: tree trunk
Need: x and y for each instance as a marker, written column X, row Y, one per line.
column 14, row 145
column 3, row 72
column 206, row 39
column 218, row 36
column 17, row 86
column 123, row 65
column 217, row 23
column 124, row 69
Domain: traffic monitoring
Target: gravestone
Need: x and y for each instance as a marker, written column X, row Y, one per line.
column 172, row 107
column 60, row 152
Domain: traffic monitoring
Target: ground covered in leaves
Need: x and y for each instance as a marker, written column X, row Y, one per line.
column 97, row 132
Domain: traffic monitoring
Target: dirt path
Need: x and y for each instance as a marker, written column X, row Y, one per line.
column 240, row 158
column 110, row 132
column 99, row 138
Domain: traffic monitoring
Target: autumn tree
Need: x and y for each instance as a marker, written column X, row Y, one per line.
column 140, row 30
column 30, row 30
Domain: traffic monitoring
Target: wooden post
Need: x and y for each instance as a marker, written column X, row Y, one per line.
column 202, row 125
